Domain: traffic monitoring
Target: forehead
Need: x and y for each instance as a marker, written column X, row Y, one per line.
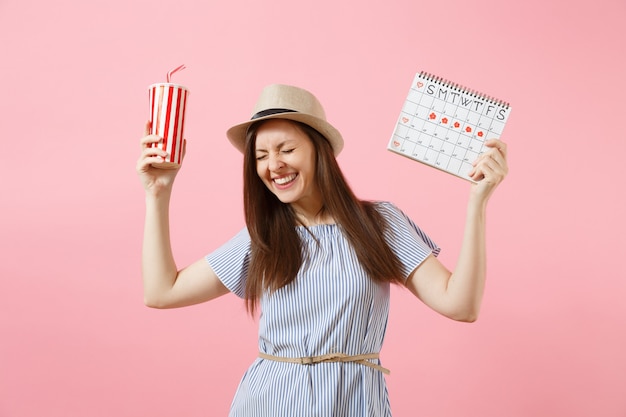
column 275, row 132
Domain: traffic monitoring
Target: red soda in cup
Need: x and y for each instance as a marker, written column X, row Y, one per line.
column 168, row 103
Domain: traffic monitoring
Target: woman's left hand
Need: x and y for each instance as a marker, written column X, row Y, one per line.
column 490, row 168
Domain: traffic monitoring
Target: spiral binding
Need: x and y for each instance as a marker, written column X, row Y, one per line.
column 461, row 88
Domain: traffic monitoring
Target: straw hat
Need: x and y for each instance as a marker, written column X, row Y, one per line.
column 278, row 101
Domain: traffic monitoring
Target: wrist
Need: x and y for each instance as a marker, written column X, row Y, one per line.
column 158, row 196
column 477, row 202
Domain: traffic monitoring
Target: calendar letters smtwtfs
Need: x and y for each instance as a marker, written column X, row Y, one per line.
column 445, row 125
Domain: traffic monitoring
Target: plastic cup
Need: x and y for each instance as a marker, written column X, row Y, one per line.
column 168, row 103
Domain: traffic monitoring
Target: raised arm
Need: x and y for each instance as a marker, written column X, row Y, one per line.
column 164, row 285
column 458, row 295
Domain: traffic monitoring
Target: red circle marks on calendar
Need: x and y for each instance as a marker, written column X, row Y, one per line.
column 457, row 124
column 405, row 119
column 444, row 120
column 432, row 116
column 480, row 134
column 420, row 84
column 396, row 143
column 468, row 129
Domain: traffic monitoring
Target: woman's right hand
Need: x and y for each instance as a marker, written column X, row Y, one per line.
column 154, row 180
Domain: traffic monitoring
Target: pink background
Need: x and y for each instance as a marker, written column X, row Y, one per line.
column 75, row 338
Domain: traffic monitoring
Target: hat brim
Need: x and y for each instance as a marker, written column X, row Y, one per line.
column 237, row 134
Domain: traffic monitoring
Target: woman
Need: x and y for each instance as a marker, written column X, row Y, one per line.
column 316, row 260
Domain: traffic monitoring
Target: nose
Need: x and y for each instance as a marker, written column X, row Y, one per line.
column 275, row 162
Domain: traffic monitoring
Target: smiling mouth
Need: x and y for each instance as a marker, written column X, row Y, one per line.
column 285, row 180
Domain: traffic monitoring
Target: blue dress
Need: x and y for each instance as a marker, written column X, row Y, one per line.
column 332, row 306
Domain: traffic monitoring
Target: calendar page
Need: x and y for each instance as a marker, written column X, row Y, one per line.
column 445, row 125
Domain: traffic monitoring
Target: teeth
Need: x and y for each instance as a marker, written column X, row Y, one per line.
column 285, row 180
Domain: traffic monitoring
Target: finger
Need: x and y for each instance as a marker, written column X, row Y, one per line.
column 496, row 155
column 153, row 150
column 144, row 164
column 497, row 144
column 476, row 172
column 475, row 175
column 501, row 161
column 492, row 171
column 488, row 164
column 149, row 140
column 482, row 157
column 499, row 156
column 484, row 173
column 478, row 159
column 149, row 156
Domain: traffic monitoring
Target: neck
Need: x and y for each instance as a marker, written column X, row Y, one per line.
column 313, row 218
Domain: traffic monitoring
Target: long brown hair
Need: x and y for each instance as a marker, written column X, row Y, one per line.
column 276, row 253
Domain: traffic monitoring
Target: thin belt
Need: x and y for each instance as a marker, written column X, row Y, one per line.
column 330, row 357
